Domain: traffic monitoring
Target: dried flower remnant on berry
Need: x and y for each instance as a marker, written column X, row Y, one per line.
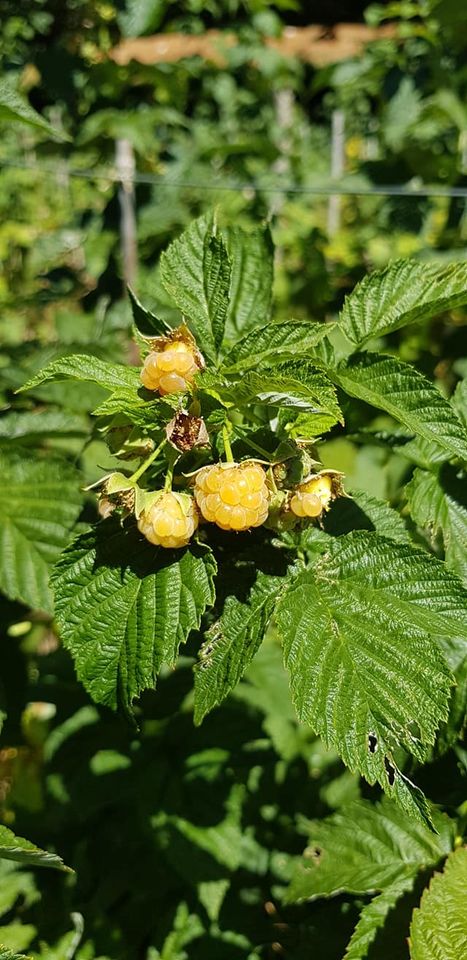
column 186, row 432
column 233, row 495
column 172, row 364
column 170, row 520
column 116, row 493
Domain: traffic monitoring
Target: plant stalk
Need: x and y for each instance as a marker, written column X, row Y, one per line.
column 147, row 463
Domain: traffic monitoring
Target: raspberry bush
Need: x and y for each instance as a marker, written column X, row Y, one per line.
column 221, row 530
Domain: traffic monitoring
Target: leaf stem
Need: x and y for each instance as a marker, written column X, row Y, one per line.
column 147, row 463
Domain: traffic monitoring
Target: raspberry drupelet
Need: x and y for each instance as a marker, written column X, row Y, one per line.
column 312, row 497
column 170, row 521
column 233, row 495
column 171, row 369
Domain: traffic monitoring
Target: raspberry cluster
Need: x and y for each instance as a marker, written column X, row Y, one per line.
column 312, row 497
column 170, row 369
column 233, row 495
column 170, row 521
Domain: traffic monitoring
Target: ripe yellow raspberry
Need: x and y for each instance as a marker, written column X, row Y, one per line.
column 170, row 369
column 170, row 521
column 312, row 497
column 233, row 495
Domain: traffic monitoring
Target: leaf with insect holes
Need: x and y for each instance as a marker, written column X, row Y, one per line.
column 232, row 643
column 81, row 366
column 23, row 851
column 366, row 849
column 438, row 504
column 40, row 505
column 404, row 292
column 196, row 272
column 124, row 607
column 274, row 343
column 362, row 631
column 252, row 261
column 405, row 394
column 439, row 925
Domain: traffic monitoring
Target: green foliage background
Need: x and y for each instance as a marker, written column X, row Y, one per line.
column 187, row 841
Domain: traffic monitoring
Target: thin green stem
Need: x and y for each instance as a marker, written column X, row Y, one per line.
column 169, row 477
column 254, row 446
column 227, row 447
column 173, row 457
column 147, row 463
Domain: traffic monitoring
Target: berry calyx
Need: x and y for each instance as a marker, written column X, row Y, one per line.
column 169, row 519
column 233, row 495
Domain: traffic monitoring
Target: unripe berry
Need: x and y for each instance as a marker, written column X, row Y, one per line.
column 170, row 520
column 233, row 495
column 309, row 499
column 171, row 368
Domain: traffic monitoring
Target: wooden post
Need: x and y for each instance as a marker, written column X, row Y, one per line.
column 283, row 104
column 125, row 165
column 337, row 168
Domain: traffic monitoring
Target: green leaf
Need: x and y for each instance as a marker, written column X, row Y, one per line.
column 293, row 387
column 124, row 607
column 147, row 414
column 195, row 271
column 186, row 928
column 438, row 504
column 81, row 366
column 274, row 343
column 23, row 851
column 6, row 954
column 404, row 292
column 439, row 926
column 407, row 395
column 146, row 322
column 217, row 274
column 40, row 423
column 252, row 258
column 15, row 109
column 364, row 848
column 373, row 916
column 402, row 113
column 232, row 643
column 364, row 512
column 366, row 673
column 141, row 16
column 278, row 389
column 225, row 841
column 38, row 510
column 16, row 883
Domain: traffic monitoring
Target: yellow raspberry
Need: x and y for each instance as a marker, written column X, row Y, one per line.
column 170, row 369
column 312, row 497
column 170, row 521
column 233, row 495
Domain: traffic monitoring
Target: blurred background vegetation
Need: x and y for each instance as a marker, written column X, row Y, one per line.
column 262, row 124
column 224, row 127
